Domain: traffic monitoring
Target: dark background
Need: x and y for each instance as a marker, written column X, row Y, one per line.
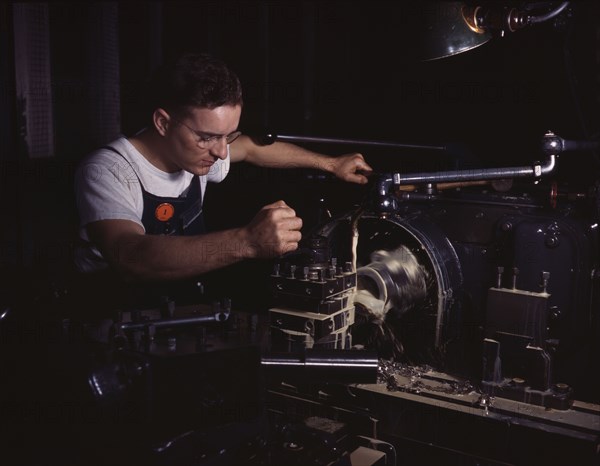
column 335, row 69
column 320, row 68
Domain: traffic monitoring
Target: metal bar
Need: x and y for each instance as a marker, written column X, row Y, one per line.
column 270, row 138
column 175, row 322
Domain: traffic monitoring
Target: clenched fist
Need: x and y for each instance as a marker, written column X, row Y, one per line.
column 274, row 230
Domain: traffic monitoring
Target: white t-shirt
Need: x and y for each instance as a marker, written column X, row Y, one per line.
column 107, row 187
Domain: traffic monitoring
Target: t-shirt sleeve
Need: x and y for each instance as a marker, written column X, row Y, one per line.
column 106, row 191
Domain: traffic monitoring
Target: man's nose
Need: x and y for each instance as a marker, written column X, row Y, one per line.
column 220, row 148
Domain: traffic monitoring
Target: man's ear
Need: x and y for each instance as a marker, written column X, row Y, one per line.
column 161, row 121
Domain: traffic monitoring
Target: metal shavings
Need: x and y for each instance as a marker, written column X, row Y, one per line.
column 388, row 370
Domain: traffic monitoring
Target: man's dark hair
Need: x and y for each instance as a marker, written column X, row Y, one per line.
column 194, row 80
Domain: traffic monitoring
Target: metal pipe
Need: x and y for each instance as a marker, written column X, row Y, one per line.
column 552, row 145
column 477, row 174
column 533, row 19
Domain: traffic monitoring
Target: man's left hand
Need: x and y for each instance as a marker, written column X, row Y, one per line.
column 351, row 168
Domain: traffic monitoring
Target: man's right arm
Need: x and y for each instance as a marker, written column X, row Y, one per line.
column 136, row 256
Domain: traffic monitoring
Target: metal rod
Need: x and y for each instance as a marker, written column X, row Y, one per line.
column 347, row 366
column 220, row 317
column 270, row 138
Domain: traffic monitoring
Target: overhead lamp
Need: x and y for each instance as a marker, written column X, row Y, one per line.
column 455, row 27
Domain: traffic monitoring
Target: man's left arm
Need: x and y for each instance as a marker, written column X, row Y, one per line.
column 347, row 167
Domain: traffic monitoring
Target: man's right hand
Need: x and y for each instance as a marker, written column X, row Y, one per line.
column 274, row 230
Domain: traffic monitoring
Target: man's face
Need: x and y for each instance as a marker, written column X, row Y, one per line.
column 198, row 139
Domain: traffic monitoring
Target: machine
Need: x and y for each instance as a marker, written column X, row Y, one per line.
column 451, row 317
column 481, row 301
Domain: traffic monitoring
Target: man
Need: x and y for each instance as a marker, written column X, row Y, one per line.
column 140, row 198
